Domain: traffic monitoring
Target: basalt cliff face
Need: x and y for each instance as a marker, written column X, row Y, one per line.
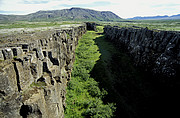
column 155, row 51
column 151, row 90
column 34, row 71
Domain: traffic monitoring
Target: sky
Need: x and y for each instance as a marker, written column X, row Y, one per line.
column 123, row 8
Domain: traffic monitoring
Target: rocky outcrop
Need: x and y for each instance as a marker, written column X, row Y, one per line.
column 34, row 70
column 91, row 26
column 154, row 51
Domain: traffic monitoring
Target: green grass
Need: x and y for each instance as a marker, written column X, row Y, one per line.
column 84, row 97
column 25, row 24
column 167, row 25
column 100, row 29
column 15, row 57
column 38, row 84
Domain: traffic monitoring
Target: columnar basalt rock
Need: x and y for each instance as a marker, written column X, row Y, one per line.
column 156, row 51
column 91, row 26
column 34, row 71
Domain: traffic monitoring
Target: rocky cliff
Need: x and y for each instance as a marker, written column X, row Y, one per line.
column 155, row 51
column 148, row 84
column 91, row 26
column 34, row 70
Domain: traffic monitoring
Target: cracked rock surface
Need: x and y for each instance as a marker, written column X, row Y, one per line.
column 154, row 51
column 34, row 70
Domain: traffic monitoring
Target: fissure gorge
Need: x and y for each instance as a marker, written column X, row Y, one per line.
column 110, row 72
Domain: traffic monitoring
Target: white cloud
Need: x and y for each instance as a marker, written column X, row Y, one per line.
column 123, row 8
column 131, row 8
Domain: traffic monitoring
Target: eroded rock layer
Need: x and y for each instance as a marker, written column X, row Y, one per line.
column 34, row 70
column 156, row 51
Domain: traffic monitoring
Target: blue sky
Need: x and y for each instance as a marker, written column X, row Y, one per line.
column 123, row 8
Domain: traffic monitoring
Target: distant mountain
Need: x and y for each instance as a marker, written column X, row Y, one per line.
column 165, row 17
column 74, row 14
column 175, row 16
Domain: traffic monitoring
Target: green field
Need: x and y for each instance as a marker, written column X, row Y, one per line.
column 167, row 25
column 25, row 24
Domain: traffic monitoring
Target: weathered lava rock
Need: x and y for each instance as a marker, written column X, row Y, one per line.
column 34, row 72
column 91, row 26
column 155, row 51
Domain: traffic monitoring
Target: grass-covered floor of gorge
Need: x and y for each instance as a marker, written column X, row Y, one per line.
column 104, row 81
column 105, row 84
column 84, row 97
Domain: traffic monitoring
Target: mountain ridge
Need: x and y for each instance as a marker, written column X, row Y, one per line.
column 73, row 13
column 158, row 17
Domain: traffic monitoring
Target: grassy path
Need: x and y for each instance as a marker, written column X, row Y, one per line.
column 84, row 97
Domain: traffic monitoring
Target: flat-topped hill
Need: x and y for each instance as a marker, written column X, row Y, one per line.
column 75, row 14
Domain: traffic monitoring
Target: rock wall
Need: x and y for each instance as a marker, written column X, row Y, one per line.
column 91, row 26
column 154, row 51
column 34, row 70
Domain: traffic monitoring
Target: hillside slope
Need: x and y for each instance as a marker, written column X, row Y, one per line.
column 65, row 14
